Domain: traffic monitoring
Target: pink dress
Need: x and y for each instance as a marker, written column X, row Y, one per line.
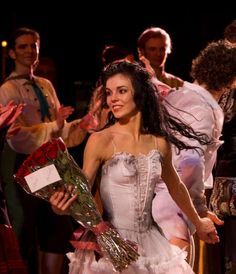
column 127, row 189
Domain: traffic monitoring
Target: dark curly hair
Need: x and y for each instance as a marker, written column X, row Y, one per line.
column 230, row 32
column 156, row 119
column 215, row 65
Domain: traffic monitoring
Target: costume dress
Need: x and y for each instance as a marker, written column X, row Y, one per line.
column 127, row 189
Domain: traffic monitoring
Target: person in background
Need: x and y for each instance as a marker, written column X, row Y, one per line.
column 110, row 53
column 155, row 44
column 230, row 32
column 225, row 167
column 213, row 71
column 115, row 52
column 43, row 118
column 10, row 258
column 134, row 153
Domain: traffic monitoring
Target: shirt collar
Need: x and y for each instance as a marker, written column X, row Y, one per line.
column 24, row 79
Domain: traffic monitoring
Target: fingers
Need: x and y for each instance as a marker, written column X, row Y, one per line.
column 207, row 231
column 12, row 131
column 10, row 113
column 64, row 201
column 61, row 200
column 212, row 238
column 68, row 109
column 63, row 114
column 214, row 218
column 57, row 198
column 10, row 103
column 89, row 122
column 96, row 106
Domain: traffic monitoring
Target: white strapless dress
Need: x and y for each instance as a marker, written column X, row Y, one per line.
column 127, row 190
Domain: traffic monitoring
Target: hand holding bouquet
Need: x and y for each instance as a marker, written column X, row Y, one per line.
column 50, row 168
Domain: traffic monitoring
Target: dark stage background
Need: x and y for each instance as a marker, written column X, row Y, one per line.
column 74, row 36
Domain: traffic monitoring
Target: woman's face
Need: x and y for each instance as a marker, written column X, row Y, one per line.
column 120, row 96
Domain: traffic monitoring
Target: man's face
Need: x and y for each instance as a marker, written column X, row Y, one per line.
column 155, row 51
column 26, row 50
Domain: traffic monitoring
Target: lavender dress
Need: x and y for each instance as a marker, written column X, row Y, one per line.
column 127, row 189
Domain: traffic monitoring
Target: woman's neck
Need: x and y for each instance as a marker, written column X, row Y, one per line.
column 131, row 125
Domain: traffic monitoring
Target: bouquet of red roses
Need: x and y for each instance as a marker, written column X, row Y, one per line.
column 51, row 167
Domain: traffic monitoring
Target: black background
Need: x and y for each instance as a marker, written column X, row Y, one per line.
column 73, row 35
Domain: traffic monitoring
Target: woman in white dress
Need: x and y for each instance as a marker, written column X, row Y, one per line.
column 134, row 152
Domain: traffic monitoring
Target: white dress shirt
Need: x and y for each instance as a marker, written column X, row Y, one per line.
column 33, row 131
column 197, row 107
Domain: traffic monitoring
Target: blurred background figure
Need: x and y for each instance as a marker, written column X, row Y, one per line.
column 155, row 44
column 197, row 104
column 113, row 53
column 110, row 54
column 10, row 259
column 230, row 32
column 226, row 252
column 42, row 119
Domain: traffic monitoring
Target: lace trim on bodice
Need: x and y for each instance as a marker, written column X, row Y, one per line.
column 147, row 172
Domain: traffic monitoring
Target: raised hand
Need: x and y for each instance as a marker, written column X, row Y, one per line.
column 89, row 122
column 9, row 113
column 13, row 130
column 63, row 114
column 147, row 64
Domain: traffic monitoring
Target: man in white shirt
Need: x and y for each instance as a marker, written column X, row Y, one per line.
column 43, row 118
column 196, row 103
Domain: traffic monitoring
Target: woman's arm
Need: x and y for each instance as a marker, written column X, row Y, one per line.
column 93, row 157
column 178, row 191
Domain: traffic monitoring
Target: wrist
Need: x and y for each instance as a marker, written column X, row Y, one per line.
column 203, row 214
column 197, row 222
column 89, row 122
column 60, row 124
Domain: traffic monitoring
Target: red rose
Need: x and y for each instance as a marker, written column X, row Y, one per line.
column 39, row 157
column 26, row 172
column 51, row 152
column 21, row 171
column 30, row 164
column 59, row 143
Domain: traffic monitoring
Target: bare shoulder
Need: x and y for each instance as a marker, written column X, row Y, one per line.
column 163, row 146
column 101, row 143
column 102, row 137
